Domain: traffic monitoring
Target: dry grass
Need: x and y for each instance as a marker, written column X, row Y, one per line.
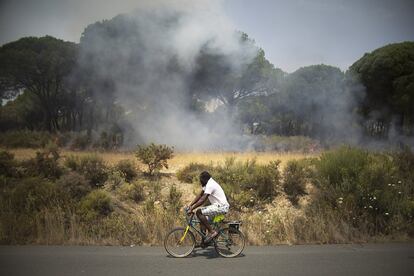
column 181, row 159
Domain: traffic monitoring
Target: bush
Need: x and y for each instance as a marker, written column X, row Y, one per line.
column 266, row 180
column 136, row 192
column 234, row 176
column 295, row 178
column 74, row 184
column 111, row 139
column 243, row 182
column 191, row 172
column 92, row 167
column 25, row 139
column 245, row 199
column 174, row 199
column 404, row 162
column 22, row 205
column 263, row 180
column 80, row 141
column 33, row 194
column 46, row 163
column 132, row 191
column 7, row 163
column 115, row 179
column 96, row 204
column 127, row 168
column 154, row 156
column 365, row 189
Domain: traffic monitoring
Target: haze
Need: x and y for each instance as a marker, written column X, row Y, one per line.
column 293, row 33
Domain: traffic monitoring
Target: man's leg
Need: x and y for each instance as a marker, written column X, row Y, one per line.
column 203, row 220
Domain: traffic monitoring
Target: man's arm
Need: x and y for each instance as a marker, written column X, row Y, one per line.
column 199, row 202
column 197, row 198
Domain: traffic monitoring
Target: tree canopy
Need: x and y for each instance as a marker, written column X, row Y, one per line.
column 38, row 66
column 119, row 68
column 388, row 76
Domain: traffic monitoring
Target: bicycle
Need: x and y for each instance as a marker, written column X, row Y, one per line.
column 180, row 242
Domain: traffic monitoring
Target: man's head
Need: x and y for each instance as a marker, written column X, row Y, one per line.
column 204, row 178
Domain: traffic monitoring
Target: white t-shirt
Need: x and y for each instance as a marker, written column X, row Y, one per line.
column 215, row 192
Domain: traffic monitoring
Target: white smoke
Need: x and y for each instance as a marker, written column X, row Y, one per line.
column 156, row 37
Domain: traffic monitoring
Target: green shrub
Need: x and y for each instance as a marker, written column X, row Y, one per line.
column 404, row 162
column 154, row 156
column 33, row 194
column 115, row 180
column 132, row 191
column 7, row 163
column 136, row 192
column 191, row 172
column 234, row 176
column 365, row 188
column 294, row 180
column 74, row 184
column 111, row 139
column 243, row 182
column 25, row 139
column 92, row 167
column 266, row 180
column 96, row 204
column 127, row 168
column 21, row 206
column 174, row 199
column 244, row 199
column 63, row 139
column 45, row 163
column 80, row 141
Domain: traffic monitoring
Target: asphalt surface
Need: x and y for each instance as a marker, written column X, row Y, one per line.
column 372, row 259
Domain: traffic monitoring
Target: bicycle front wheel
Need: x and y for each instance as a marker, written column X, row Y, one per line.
column 229, row 243
column 179, row 242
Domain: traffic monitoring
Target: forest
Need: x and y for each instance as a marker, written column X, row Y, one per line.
column 120, row 87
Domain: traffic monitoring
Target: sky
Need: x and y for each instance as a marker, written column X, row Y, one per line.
column 293, row 33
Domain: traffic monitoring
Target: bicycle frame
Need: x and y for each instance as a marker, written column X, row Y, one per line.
column 224, row 244
column 191, row 224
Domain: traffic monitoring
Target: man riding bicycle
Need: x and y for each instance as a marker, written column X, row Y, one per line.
column 219, row 205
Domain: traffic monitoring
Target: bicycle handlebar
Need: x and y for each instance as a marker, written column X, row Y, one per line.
column 188, row 218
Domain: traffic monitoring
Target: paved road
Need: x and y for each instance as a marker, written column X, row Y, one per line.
column 373, row 259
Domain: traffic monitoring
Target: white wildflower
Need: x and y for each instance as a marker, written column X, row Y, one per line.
column 386, row 214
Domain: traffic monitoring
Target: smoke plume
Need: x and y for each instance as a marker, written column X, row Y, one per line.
column 145, row 60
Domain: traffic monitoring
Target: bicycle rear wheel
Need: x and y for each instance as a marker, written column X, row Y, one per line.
column 179, row 242
column 229, row 243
